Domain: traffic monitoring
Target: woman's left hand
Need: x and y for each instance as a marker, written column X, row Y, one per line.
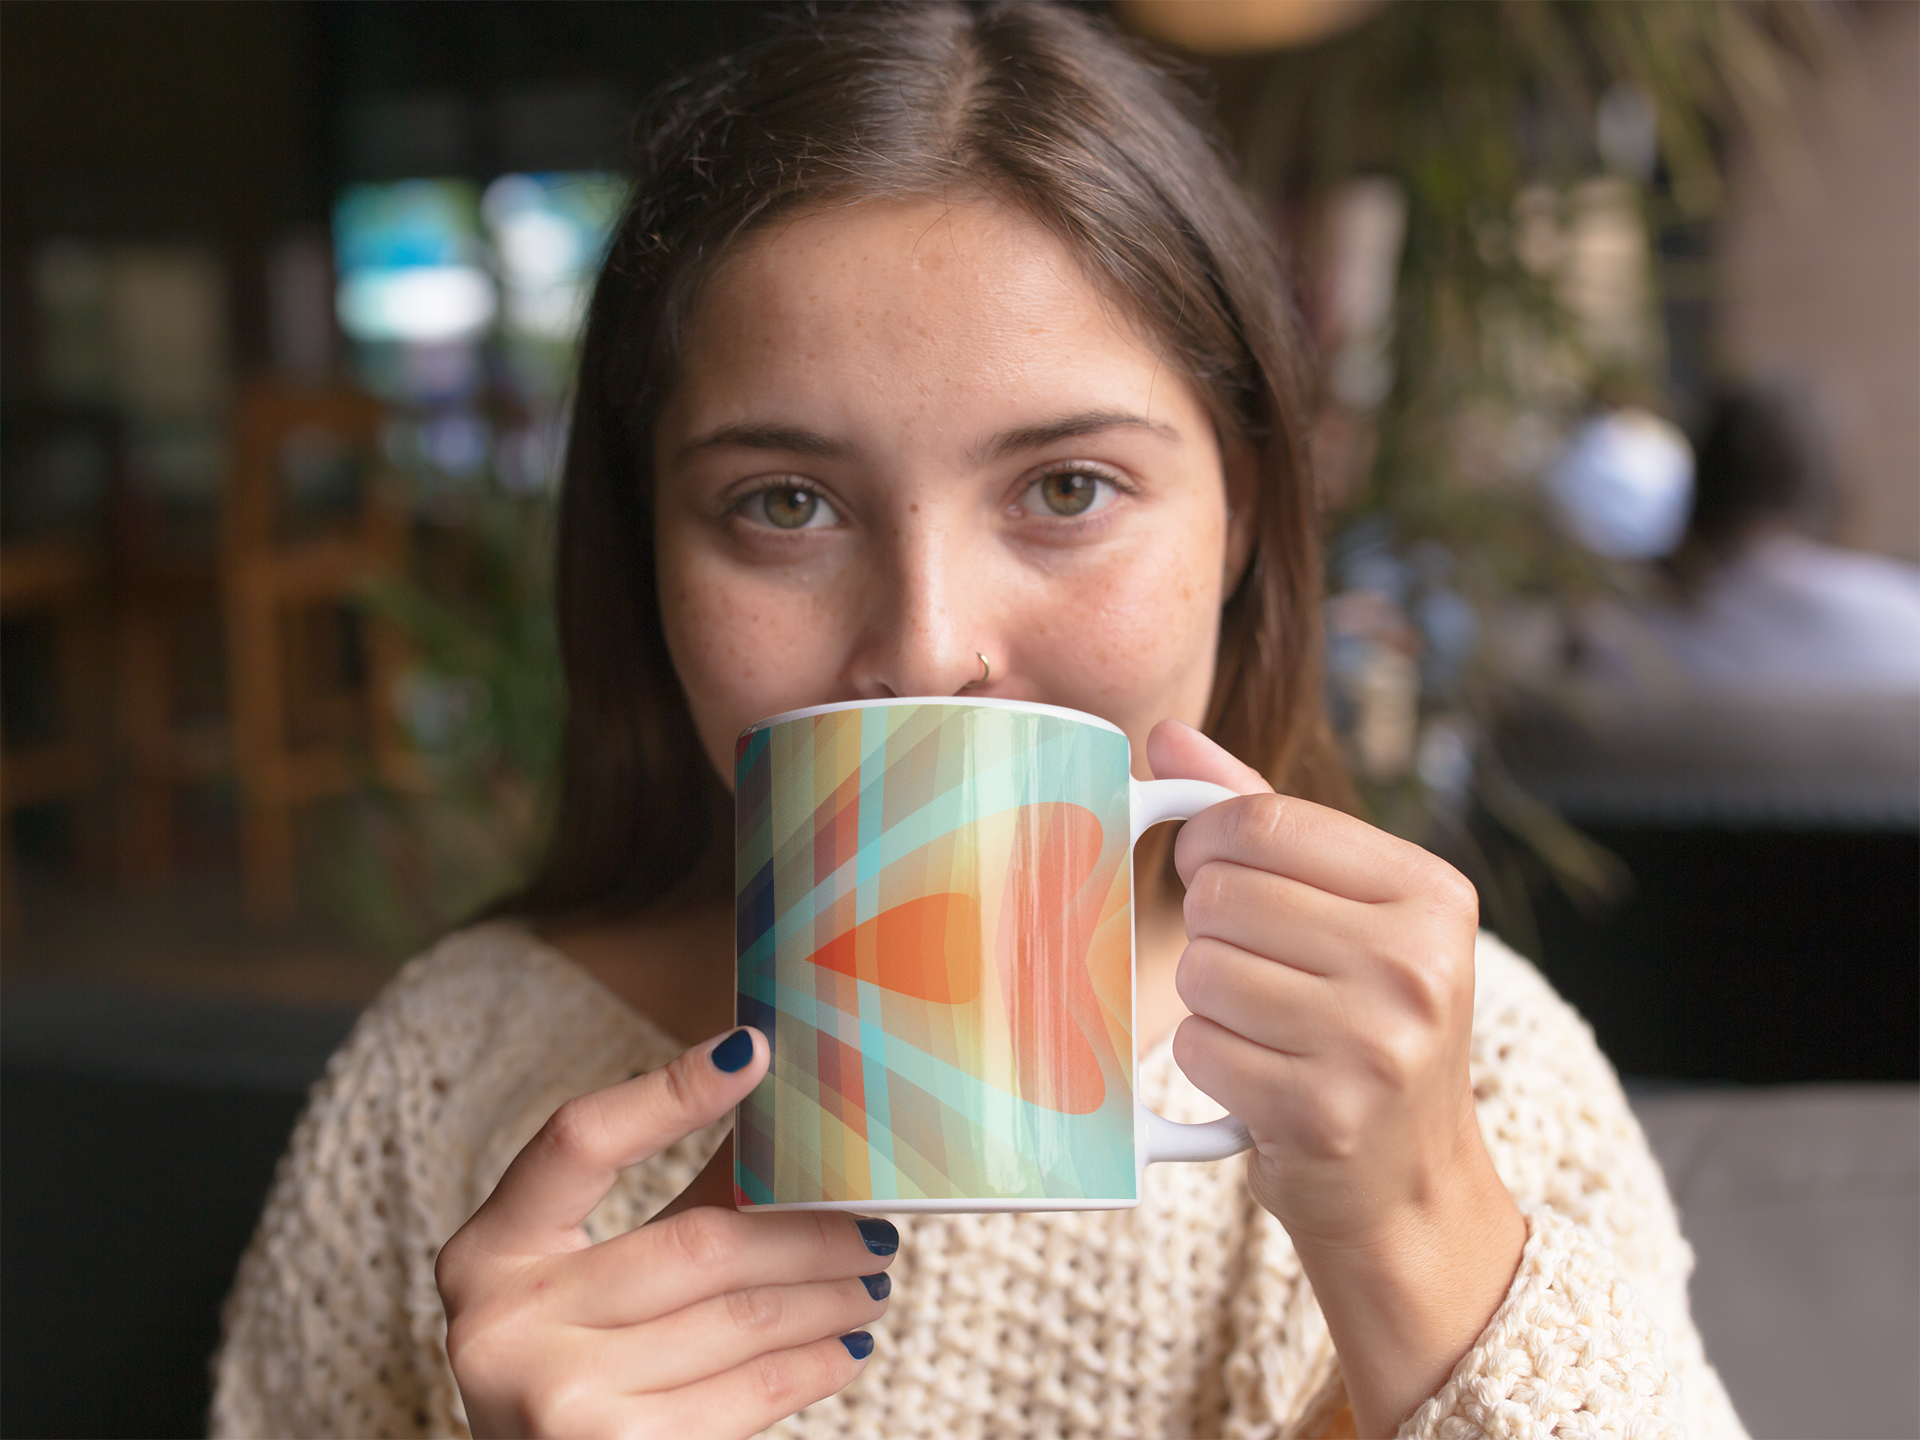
column 1329, row 969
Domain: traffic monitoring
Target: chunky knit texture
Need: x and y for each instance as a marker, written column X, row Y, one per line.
column 1189, row 1315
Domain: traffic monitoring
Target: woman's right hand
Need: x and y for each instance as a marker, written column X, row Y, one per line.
column 706, row 1323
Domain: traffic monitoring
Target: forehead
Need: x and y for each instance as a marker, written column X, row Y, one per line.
column 954, row 303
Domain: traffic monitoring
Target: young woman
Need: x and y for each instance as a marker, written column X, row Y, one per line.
column 937, row 352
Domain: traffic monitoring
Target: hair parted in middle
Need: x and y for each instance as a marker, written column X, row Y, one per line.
column 1037, row 107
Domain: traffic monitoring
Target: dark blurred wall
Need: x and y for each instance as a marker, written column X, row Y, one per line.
column 225, row 124
column 133, row 120
column 156, row 122
column 142, row 119
column 377, row 47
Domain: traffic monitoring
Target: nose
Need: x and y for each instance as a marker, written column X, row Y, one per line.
column 923, row 624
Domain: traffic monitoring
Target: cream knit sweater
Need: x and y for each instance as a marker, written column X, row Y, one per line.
column 1186, row 1316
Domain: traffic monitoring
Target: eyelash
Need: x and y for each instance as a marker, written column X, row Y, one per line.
column 1095, row 473
column 738, row 506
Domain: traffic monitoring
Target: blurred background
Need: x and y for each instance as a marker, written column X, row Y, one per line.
column 1616, row 309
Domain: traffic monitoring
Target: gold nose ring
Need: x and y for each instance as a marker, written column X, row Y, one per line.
column 986, row 672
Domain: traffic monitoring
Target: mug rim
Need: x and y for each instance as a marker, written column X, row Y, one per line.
column 980, row 703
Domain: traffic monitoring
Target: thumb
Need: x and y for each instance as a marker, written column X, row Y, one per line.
column 1177, row 751
column 569, row 1167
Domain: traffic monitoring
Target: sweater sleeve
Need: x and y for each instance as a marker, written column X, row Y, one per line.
column 1595, row 1335
column 333, row 1327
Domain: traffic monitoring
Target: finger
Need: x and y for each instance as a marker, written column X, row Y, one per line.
column 1177, row 751
column 745, row 1400
column 709, row 1251
column 1301, row 1109
column 1271, row 1005
column 1310, row 843
column 1252, row 1081
column 731, row 1329
column 1275, row 916
column 1323, row 847
column 569, row 1167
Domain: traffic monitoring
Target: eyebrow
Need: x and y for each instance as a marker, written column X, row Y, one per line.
column 793, row 439
column 798, row 440
column 1069, row 427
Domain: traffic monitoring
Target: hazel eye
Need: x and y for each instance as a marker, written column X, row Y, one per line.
column 1071, row 494
column 791, row 507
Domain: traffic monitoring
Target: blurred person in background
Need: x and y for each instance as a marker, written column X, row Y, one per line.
column 1763, row 603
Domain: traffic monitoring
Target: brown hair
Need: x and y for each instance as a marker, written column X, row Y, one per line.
column 1046, row 109
column 1763, row 457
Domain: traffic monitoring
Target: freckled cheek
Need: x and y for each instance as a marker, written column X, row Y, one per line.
column 740, row 648
column 1131, row 635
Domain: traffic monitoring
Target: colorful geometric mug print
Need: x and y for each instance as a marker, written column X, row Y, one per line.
column 935, row 931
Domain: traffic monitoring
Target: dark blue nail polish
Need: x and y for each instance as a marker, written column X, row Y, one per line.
column 880, row 1236
column 734, row 1051
column 859, row 1344
column 878, row 1286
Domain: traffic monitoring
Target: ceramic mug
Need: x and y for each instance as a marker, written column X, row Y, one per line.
column 935, row 933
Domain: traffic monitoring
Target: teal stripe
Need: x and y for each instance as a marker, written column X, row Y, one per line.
column 1092, row 1154
column 873, row 777
column 1034, row 777
column 758, row 1193
column 1071, row 764
column 875, row 1051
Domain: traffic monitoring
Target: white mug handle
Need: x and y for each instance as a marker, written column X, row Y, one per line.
column 1156, row 1137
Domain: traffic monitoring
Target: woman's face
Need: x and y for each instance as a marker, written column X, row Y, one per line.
column 909, row 433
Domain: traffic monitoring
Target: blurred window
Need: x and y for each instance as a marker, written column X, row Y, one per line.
column 412, row 263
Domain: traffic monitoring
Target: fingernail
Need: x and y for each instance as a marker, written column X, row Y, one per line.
column 859, row 1344
column 734, row 1051
column 880, row 1236
column 878, row 1286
